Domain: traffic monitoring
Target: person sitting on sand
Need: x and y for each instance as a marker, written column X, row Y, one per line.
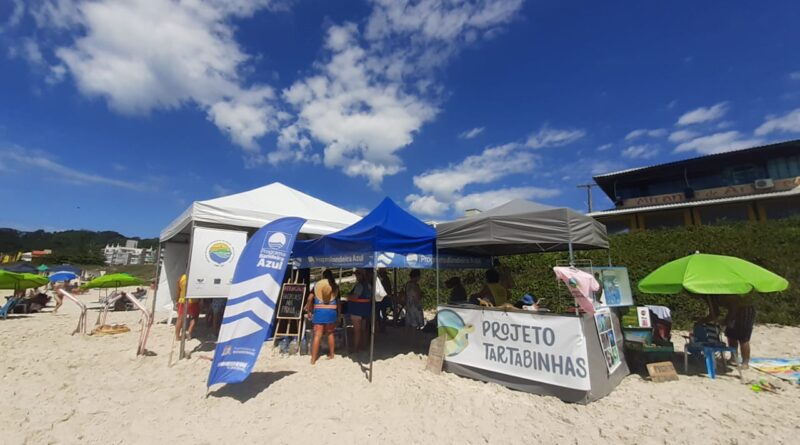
column 323, row 310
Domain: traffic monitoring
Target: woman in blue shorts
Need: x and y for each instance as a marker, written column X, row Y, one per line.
column 323, row 307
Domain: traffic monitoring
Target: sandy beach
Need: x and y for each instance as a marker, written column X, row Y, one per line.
column 59, row 388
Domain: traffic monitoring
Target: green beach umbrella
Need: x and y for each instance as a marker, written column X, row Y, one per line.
column 42, row 268
column 711, row 274
column 19, row 281
column 113, row 280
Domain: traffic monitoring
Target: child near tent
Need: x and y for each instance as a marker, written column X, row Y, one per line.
column 323, row 309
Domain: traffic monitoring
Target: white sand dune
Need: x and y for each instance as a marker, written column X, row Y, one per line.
column 58, row 388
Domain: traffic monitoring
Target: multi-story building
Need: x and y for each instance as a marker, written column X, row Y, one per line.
column 754, row 184
column 128, row 254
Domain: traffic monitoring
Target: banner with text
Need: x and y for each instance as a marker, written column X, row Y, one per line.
column 251, row 303
column 539, row 348
column 215, row 253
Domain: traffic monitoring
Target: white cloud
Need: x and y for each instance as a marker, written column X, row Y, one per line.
column 16, row 158
column 471, row 134
column 493, row 198
column 704, row 114
column 682, row 135
column 795, row 75
column 145, row 55
column 372, row 91
column 604, row 147
column 718, row 143
column 788, row 123
column 426, row 205
column 644, row 151
column 653, row 133
column 439, row 21
column 492, row 164
column 362, row 120
column 552, row 137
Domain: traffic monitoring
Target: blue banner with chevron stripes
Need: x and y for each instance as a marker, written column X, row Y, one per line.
column 251, row 301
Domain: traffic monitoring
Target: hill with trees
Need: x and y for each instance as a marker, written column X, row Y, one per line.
column 69, row 246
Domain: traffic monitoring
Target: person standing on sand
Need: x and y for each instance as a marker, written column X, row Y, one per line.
column 414, row 315
column 323, row 310
column 194, row 309
column 359, row 306
column 739, row 321
column 60, row 298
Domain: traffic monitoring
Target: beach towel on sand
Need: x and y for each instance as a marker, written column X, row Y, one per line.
column 783, row 368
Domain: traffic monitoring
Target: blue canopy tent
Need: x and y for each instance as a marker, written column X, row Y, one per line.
column 66, row 268
column 388, row 237
column 22, row 268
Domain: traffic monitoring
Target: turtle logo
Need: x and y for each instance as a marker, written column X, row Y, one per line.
column 456, row 333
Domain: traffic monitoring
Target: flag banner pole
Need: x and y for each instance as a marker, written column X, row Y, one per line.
column 251, row 303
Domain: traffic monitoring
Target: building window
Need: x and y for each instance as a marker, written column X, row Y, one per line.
column 782, row 208
column 722, row 214
column 787, row 167
column 661, row 220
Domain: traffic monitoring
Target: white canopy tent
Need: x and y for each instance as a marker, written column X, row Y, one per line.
column 245, row 211
column 254, row 208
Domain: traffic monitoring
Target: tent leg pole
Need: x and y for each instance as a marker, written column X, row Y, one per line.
column 437, row 279
column 372, row 322
column 185, row 318
column 571, row 255
column 395, row 298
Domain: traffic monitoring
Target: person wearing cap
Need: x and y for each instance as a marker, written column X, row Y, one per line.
column 527, row 300
column 323, row 310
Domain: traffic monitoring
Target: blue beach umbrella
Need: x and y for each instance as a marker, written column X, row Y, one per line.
column 62, row 276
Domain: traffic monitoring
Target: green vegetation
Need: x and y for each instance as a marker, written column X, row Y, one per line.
column 70, row 246
column 774, row 245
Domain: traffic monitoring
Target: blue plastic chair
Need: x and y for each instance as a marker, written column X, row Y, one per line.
column 8, row 307
column 705, row 341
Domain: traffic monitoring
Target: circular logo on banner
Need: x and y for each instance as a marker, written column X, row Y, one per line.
column 456, row 332
column 277, row 240
column 219, row 253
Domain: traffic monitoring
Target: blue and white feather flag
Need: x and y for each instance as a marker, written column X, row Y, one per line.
column 252, row 299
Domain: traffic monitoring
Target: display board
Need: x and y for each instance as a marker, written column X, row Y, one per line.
column 290, row 305
column 609, row 338
column 215, row 253
column 539, row 348
column 615, row 286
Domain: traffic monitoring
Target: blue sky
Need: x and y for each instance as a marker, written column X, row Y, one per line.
column 116, row 115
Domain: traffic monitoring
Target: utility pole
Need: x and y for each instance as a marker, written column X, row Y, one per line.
column 588, row 188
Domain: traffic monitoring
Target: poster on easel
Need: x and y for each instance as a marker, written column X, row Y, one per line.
column 609, row 338
column 290, row 311
column 615, row 286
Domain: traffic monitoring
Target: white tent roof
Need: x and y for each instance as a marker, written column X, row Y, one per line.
column 256, row 207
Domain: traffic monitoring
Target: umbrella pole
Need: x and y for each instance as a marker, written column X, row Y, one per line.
column 372, row 323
